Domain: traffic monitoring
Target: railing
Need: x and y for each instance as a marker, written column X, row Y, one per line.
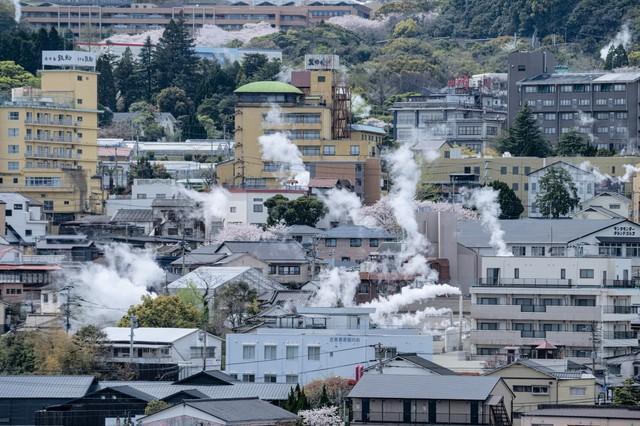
column 615, row 309
column 69, row 156
column 50, row 122
column 619, row 335
column 552, row 282
column 51, row 139
column 533, row 333
column 533, row 308
column 413, row 416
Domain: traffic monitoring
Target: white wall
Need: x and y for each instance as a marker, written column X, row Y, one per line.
column 241, row 206
column 24, row 217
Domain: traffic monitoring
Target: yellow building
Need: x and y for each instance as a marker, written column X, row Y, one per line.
column 452, row 171
column 314, row 111
column 49, row 149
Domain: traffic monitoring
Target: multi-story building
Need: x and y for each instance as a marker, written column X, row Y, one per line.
column 50, row 147
column 315, row 343
column 449, row 174
column 23, row 219
column 246, row 206
column 93, row 22
column 554, row 307
column 585, row 183
column 601, row 105
column 350, row 245
column 459, row 119
column 314, row 113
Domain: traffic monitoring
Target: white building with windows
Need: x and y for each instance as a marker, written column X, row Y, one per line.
column 558, row 307
column 584, row 181
column 315, row 343
column 246, row 206
column 164, row 346
column 143, row 192
column 24, row 219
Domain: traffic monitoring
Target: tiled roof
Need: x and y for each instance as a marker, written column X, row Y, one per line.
column 269, row 251
column 26, row 386
column 133, row 215
column 239, row 411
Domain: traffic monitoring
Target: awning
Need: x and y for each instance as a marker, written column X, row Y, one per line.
column 618, row 239
column 546, row 345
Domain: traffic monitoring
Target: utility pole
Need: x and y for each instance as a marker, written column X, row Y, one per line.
column 67, row 309
column 594, row 354
column 133, row 323
column 379, row 356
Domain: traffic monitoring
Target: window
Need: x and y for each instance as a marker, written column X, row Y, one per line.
column 28, row 232
column 601, row 102
column 313, row 353
column 549, row 116
column 354, row 150
column 329, row 150
column 14, row 115
column 12, row 132
column 514, row 186
column 516, row 273
column 515, row 170
column 374, row 242
column 565, row 102
column 470, row 130
column 258, row 208
column 563, row 274
column 586, row 273
column 13, row 149
column 584, row 102
column 79, row 101
column 270, row 378
column 248, row 352
column 557, row 251
column 292, row 352
column 540, row 390
column 487, row 301
column 141, row 196
column 355, row 242
column 548, row 102
column 310, row 150
column 270, row 352
column 288, row 270
column 364, row 288
column 233, row 209
column 549, row 130
column 14, row 165
column 519, row 250
column 619, row 101
column 249, row 378
column 488, row 326
column 321, row 79
column 291, row 378
column 503, row 170
column 527, row 170
column 577, row 391
column 537, row 251
column 330, row 242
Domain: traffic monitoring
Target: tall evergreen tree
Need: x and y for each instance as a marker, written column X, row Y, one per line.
column 175, row 59
column 145, row 70
column 106, row 84
column 524, row 138
column 608, row 60
column 125, row 81
column 558, row 194
column 621, row 58
column 510, row 205
column 55, row 40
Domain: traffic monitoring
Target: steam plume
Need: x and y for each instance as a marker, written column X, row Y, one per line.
column 17, row 10
column 337, row 285
column 346, row 204
column 486, row 201
column 215, row 203
column 622, row 37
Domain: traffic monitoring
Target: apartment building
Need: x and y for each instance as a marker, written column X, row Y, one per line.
column 314, row 343
column 91, row 22
column 246, row 206
column 554, row 307
column 314, row 113
column 50, row 147
column 601, row 105
column 450, row 172
column 23, row 219
column 466, row 120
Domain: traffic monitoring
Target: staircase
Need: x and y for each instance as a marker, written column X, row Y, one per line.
column 499, row 416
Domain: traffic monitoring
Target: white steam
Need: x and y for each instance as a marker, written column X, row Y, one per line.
column 337, row 286
column 360, row 108
column 17, row 10
column 105, row 291
column 629, row 171
column 622, row 37
column 486, row 202
column 416, row 319
column 278, row 148
column 214, row 204
column 342, row 204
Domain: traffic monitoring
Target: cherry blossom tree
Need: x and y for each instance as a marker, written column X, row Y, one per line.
column 325, row 416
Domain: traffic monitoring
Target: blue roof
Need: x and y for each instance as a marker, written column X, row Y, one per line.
column 367, row 128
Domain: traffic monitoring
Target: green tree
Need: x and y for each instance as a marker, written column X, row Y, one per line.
column 405, row 28
column 324, row 398
column 145, row 121
column 143, row 169
column 106, row 83
column 233, row 303
column 301, row 211
column 13, row 75
column 17, row 354
column 126, row 81
column 510, row 205
column 524, row 138
column 610, row 58
column 220, row 110
column 174, row 58
column 573, row 143
column 627, row 394
column 558, row 194
column 163, row 311
column 145, row 71
column 154, row 406
column 257, row 67
column 621, row 58
column 175, row 101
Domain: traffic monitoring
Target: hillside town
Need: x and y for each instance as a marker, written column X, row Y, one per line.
column 318, row 213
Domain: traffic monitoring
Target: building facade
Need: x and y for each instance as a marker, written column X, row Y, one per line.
column 314, row 113
column 314, row 343
column 51, row 148
column 246, row 206
column 23, row 219
column 96, row 22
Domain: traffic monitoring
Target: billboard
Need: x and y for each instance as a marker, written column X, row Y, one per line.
column 68, row 58
column 321, row 62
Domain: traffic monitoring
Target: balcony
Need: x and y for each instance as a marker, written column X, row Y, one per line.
column 535, row 312
column 530, row 337
column 50, row 122
column 619, row 335
column 57, row 139
column 61, row 156
column 619, row 339
column 556, row 283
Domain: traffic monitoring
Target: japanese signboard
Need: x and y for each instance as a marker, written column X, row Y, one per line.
column 68, row 58
column 321, row 62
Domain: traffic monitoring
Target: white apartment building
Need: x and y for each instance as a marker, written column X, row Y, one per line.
column 246, row 206
column 542, row 307
column 584, row 181
column 315, row 343
column 24, row 218
column 143, row 192
column 164, row 346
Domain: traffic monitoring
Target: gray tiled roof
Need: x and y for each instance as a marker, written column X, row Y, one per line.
column 356, row 231
column 472, row 234
column 302, row 230
column 198, row 259
column 429, row 365
column 401, row 386
column 133, row 215
column 45, row 386
column 242, row 410
column 269, row 250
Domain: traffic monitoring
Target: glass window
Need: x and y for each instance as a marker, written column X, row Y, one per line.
column 14, row 165
column 258, row 208
column 487, row 301
column 537, row 251
column 519, row 250
column 329, row 150
column 354, row 150
column 13, row 149
column 330, row 242
column 374, row 242
column 14, row 115
column 557, row 251
column 12, row 132
column 292, row 351
column 355, row 242
column 248, row 352
column 270, row 378
column 313, row 353
column 586, row 273
column 270, row 352
column 503, row 170
column 249, row 378
column 310, row 150
column 291, row 378
column 577, row 391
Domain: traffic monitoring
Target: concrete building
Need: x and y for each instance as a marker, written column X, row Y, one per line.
column 606, row 205
column 569, row 415
column 50, row 142
column 114, row 164
column 458, row 119
column 174, row 218
column 602, row 105
column 246, row 206
column 89, row 23
column 143, row 193
column 536, row 382
column 584, row 181
column 448, row 174
column 24, row 219
column 550, row 307
column 314, row 343
column 159, row 348
column 350, row 245
column 314, row 113
column 430, row 399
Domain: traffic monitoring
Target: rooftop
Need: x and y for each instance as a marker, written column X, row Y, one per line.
column 267, row 250
column 25, row 386
column 133, row 215
column 268, row 87
column 242, row 410
column 147, row 334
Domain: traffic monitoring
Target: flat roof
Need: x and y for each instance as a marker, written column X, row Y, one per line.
column 268, row 87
